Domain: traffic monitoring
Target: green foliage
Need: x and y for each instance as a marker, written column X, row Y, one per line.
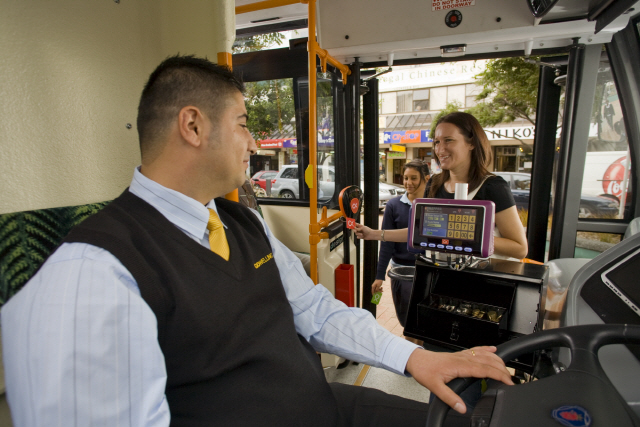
column 451, row 107
column 269, row 105
column 510, row 91
column 28, row 238
column 257, row 42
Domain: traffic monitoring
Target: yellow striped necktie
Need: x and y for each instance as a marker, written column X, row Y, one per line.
column 217, row 236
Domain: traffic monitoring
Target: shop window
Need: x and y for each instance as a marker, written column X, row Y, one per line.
column 456, row 94
column 438, row 98
column 404, row 102
column 421, row 105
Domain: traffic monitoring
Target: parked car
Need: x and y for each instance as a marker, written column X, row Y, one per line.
column 387, row 192
column 590, row 206
column 260, row 178
column 285, row 185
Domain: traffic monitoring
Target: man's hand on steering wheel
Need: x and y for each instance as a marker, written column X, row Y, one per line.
column 434, row 370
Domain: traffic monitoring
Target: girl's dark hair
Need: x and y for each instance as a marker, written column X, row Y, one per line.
column 473, row 134
column 420, row 166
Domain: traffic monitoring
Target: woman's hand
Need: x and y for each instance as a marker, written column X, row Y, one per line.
column 376, row 286
column 365, row 233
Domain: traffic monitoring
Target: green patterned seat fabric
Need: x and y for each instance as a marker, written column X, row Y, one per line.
column 28, row 238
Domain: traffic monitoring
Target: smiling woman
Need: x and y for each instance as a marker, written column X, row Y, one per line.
column 462, row 151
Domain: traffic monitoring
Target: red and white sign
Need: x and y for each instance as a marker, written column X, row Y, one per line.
column 355, row 204
column 450, row 4
column 613, row 177
column 351, row 223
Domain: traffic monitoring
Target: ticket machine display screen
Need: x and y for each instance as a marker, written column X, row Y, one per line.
column 454, row 226
column 452, row 223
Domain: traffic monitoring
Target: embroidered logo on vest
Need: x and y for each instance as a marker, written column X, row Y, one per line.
column 263, row 260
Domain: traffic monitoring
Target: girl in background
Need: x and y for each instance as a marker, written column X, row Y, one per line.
column 396, row 216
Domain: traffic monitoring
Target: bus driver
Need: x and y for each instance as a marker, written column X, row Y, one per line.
column 174, row 306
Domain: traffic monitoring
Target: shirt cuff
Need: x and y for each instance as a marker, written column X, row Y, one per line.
column 396, row 356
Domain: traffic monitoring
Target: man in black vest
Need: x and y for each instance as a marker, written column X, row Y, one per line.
column 175, row 306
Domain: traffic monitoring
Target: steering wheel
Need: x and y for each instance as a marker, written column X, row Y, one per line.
column 580, row 395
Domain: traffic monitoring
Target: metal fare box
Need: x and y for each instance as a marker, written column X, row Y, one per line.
column 493, row 302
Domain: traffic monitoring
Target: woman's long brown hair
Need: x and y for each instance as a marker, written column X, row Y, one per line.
column 473, row 134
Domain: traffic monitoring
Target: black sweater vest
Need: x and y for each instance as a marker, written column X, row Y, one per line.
column 225, row 327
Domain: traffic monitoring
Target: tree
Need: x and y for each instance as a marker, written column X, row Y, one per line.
column 270, row 102
column 451, row 107
column 257, row 42
column 510, row 91
column 269, row 106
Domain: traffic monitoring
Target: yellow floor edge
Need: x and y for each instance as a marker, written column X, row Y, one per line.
column 362, row 375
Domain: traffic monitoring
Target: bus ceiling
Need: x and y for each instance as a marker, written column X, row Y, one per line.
column 414, row 30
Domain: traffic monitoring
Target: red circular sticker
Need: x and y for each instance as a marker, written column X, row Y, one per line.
column 613, row 177
column 355, row 204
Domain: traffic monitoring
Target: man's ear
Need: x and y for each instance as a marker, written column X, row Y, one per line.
column 191, row 125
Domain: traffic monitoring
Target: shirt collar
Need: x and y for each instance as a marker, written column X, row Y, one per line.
column 405, row 199
column 184, row 212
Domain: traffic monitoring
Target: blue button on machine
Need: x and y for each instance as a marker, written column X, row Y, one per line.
column 458, row 248
column 432, row 245
column 449, row 247
column 423, row 244
column 440, row 246
column 468, row 250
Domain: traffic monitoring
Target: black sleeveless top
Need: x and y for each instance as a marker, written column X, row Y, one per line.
column 226, row 328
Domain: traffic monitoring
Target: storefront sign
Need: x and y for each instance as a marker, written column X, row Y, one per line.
column 496, row 134
column 277, row 143
column 396, row 155
column 493, row 134
column 403, row 137
column 266, row 152
column 270, row 143
column 400, row 148
column 431, row 75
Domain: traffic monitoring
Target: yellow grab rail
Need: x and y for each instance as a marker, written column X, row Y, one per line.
column 315, row 236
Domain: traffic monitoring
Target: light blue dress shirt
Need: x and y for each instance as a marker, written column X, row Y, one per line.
column 80, row 344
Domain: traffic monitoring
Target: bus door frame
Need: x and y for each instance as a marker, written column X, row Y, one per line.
column 582, row 73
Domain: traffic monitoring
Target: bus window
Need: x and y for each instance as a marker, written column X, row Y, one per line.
column 605, row 185
column 590, row 244
column 271, row 121
column 325, row 139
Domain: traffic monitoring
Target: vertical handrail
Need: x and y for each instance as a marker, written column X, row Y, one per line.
column 311, row 174
column 314, row 227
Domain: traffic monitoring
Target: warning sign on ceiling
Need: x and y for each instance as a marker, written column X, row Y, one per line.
column 450, row 4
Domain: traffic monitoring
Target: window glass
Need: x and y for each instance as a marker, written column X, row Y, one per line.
column 589, row 245
column 421, row 94
column 456, row 94
column 421, row 105
column 326, row 131
column 404, row 102
column 438, row 98
column 271, row 121
column 606, row 191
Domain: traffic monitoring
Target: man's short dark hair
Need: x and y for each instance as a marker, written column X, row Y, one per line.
column 177, row 82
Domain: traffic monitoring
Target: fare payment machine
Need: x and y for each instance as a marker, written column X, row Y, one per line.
column 460, row 297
